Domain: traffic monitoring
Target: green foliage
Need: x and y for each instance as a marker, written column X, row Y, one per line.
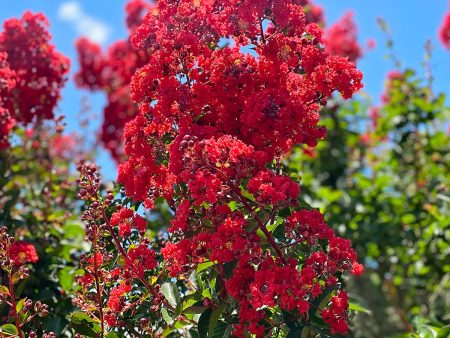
column 38, row 204
column 387, row 189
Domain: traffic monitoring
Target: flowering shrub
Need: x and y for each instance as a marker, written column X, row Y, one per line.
column 40, row 231
column 374, row 172
column 216, row 111
column 212, row 124
column 14, row 257
column 111, row 73
column 39, row 70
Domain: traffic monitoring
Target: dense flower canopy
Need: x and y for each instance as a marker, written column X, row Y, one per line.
column 213, row 117
column 32, row 73
column 7, row 83
column 193, row 86
column 39, row 69
column 213, row 111
column 111, row 73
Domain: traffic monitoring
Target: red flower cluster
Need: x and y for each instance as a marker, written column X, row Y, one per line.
column 115, row 302
column 269, row 188
column 40, row 71
column 111, row 73
column 341, row 38
column 213, row 122
column 22, row 252
column 7, row 83
column 127, row 220
column 189, row 88
column 336, row 314
column 313, row 12
column 444, row 31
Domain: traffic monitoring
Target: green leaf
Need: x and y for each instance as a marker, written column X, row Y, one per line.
column 19, row 305
column 10, row 329
column 232, row 205
column 203, row 323
column 66, row 278
column 221, row 330
column 204, row 266
column 170, row 292
column 297, row 332
column 112, row 335
column 208, row 321
column 358, row 308
column 195, row 308
column 84, row 325
column 290, row 319
column 322, row 301
column 166, row 316
column 444, row 332
column 16, row 277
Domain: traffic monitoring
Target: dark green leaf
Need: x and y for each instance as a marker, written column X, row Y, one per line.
column 208, row 321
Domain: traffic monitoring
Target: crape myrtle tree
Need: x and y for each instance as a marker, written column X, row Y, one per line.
column 213, row 115
column 40, row 231
column 382, row 178
column 244, row 254
column 111, row 73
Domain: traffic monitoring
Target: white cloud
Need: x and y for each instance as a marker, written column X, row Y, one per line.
column 84, row 24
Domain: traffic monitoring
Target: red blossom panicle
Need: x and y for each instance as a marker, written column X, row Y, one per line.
column 177, row 257
column 444, row 31
column 308, row 226
column 336, row 314
column 22, row 252
column 40, row 70
column 115, row 301
column 313, row 12
column 7, row 83
column 135, row 12
column 269, row 188
column 341, row 38
column 231, row 241
column 213, row 124
column 140, row 259
column 112, row 276
column 126, row 219
column 111, row 72
column 270, row 282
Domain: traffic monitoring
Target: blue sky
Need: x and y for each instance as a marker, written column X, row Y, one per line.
column 411, row 22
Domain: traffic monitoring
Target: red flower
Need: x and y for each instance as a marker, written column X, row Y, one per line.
column 140, row 259
column 40, row 70
column 214, row 121
column 444, row 31
column 273, row 189
column 22, row 252
column 336, row 314
column 115, row 301
column 341, row 38
column 127, row 220
column 7, row 83
column 111, row 73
